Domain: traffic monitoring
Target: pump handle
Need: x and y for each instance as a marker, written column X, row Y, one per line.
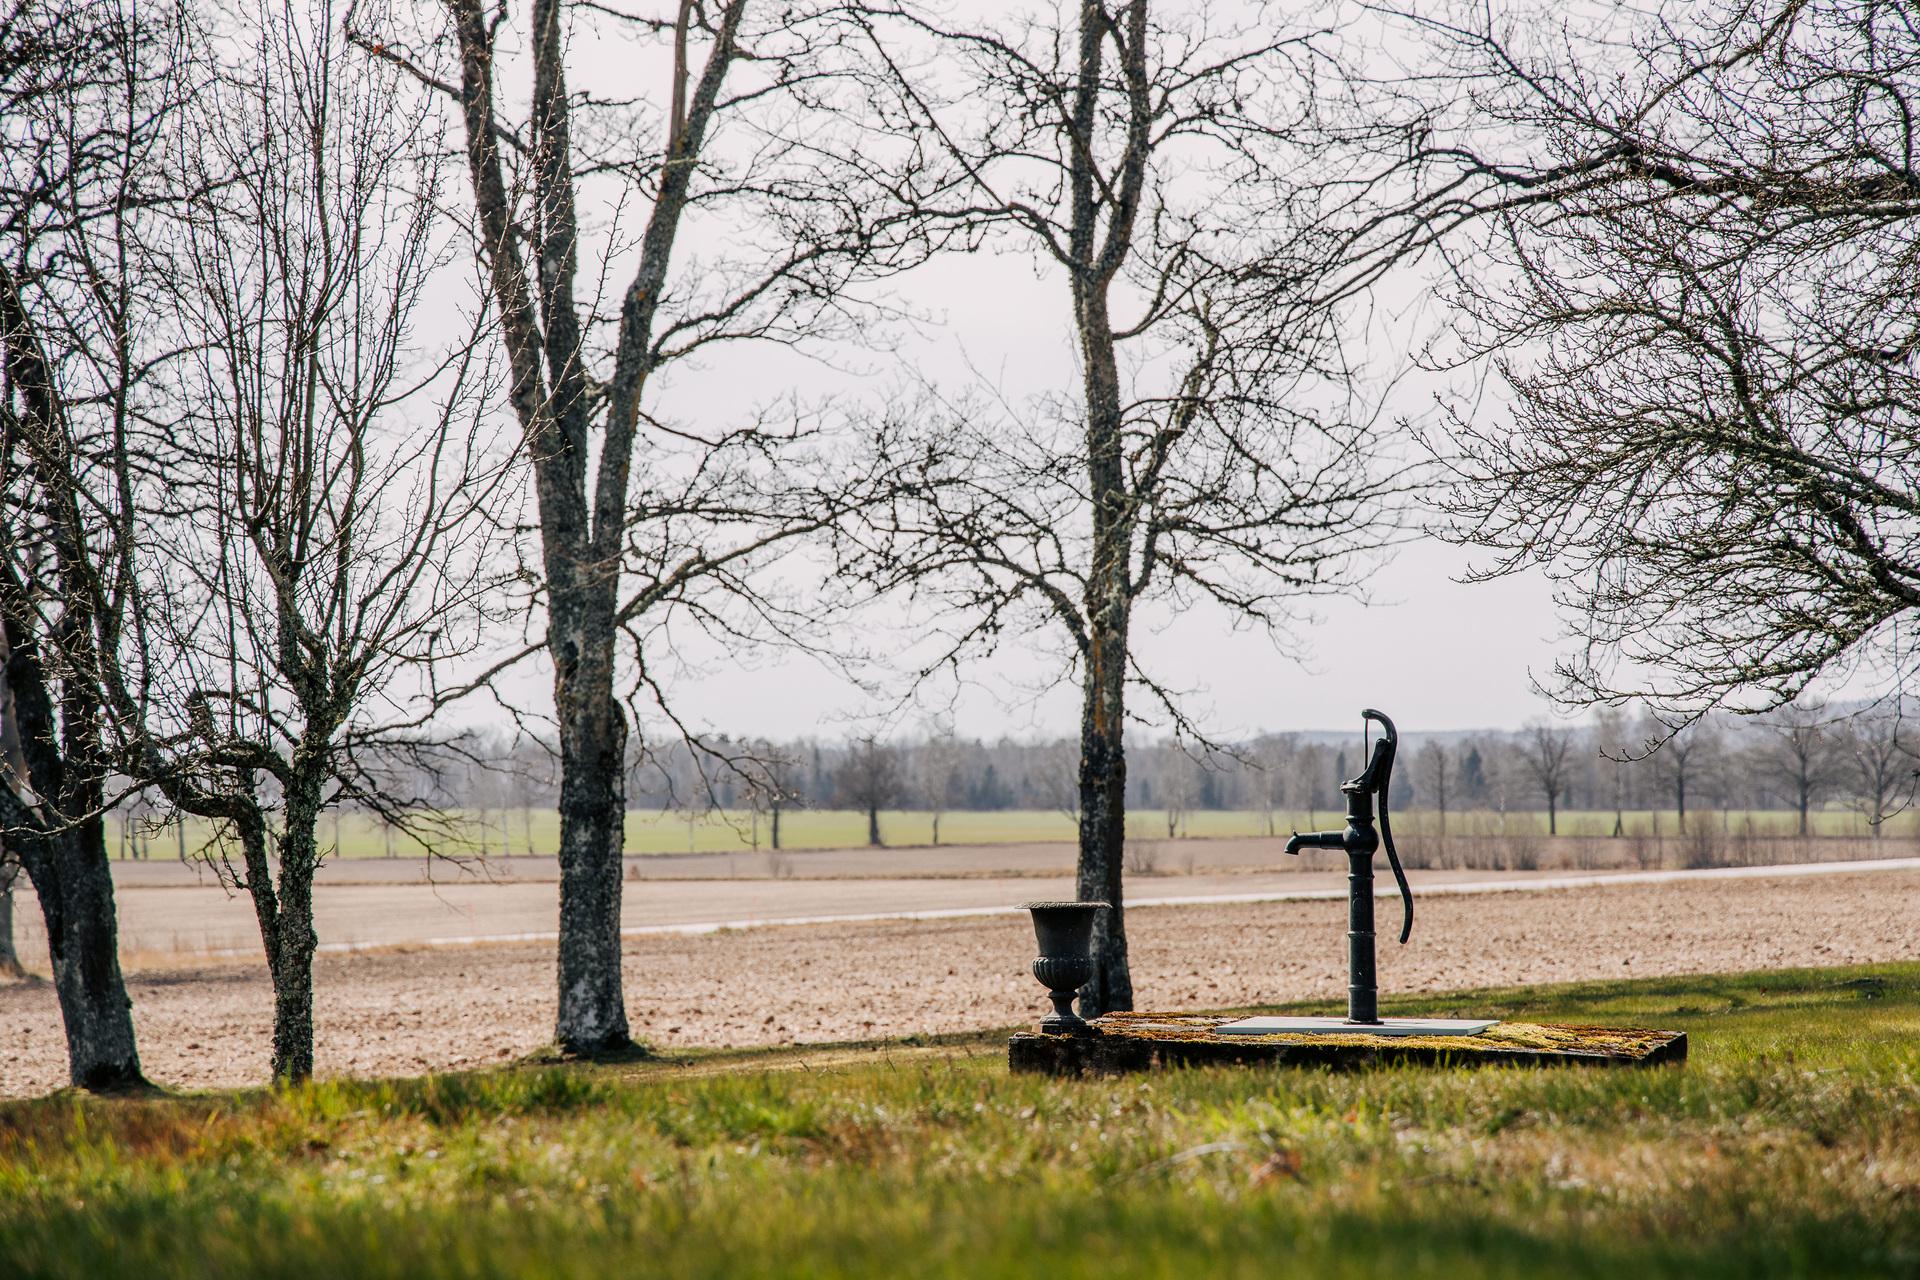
column 1379, row 779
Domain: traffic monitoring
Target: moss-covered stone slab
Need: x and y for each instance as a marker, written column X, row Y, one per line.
column 1123, row 1042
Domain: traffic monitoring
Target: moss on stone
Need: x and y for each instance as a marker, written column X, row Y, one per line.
column 1145, row 1040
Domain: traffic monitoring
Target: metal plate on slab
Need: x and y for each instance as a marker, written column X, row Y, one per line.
column 1340, row 1026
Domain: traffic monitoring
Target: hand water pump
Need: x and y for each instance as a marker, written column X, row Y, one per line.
column 1359, row 841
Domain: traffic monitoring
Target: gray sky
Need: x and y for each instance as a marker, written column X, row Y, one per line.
column 1432, row 652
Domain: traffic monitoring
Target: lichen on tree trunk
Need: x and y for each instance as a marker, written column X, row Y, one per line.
column 292, row 941
column 1108, row 609
column 592, row 1015
column 1103, row 826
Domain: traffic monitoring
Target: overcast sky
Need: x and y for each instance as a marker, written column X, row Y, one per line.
column 1429, row 650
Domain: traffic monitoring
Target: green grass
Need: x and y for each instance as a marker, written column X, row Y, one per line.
column 519, row 831
column 1788, row 1146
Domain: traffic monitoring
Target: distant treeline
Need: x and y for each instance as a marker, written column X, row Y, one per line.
column 1800, row 759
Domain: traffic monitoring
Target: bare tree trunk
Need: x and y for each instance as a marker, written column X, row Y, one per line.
column 1108, row 607
column 873, row 825
column 10, row 966
column 292, row 944
column 293, row 986
column 592, row 1016
column 581, row 427
column 66, row 861
column 70, row 875
column 1103, row 822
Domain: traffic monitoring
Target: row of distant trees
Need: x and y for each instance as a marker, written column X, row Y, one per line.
column 1797, row 760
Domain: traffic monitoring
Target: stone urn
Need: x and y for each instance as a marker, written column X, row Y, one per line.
column 1064, row 931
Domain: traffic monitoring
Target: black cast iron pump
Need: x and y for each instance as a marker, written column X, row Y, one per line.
column 1359, row 841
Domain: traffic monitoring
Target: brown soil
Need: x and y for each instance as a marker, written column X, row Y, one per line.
column 400, row 1011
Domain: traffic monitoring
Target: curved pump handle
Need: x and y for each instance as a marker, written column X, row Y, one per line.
column 1378, row 779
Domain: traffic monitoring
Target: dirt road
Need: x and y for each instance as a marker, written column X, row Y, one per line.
column 162, row 922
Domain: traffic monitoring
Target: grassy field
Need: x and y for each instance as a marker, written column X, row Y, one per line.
column 520, row 831
column 1788, row 1146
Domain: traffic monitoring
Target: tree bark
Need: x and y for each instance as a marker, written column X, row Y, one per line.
column 10, row 966
column 873, row 825
column 592, row 1017
column 1103, row 825
column 70, row 875
column 293, row 940
column 65, row 858
column 1103, row 755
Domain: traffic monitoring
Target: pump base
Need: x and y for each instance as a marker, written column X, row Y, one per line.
column 1122, row 1042
column 1341, row 1027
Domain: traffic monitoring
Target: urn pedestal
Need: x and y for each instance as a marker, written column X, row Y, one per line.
column 1064, row 931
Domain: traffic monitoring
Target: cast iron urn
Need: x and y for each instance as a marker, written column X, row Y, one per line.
column 1065, row 932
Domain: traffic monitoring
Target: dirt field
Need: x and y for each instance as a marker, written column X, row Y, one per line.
column 399, row 1011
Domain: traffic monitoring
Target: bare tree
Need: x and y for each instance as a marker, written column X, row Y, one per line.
column 939, row 763
column 529, row 781
column 325, row 542
column 771, row 785
column 1610, row 746
column 1272, row 755
column 1706, row 306
column 1800, row 754
column 1682, row 756
column 1436, row 776
column 1544, row 751
column 86, row 92
column 10, row 966
column 1215, row 447
column 641, row 519
column 869, row 779
column 1176, row 786
column 1310, row 786
column 1881, row 769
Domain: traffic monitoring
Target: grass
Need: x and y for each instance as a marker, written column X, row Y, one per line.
column 1790, row 1145
column 518, row 831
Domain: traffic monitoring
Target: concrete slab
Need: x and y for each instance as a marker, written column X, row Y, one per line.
column 1341, row 1027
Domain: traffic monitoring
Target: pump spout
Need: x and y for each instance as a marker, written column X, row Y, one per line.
column 1316, row 840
